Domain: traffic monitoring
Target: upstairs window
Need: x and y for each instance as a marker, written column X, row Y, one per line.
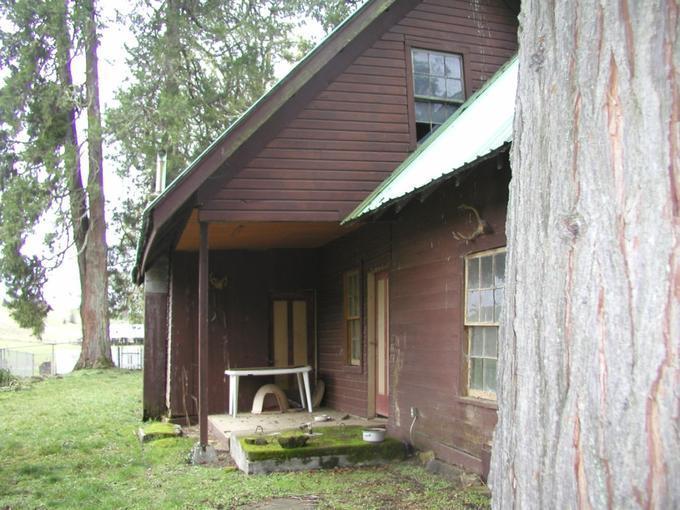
column 438, row 88
column 484, row 285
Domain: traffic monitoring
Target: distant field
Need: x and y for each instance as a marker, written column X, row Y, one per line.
column 57, row 330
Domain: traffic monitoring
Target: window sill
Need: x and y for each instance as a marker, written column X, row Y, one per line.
column 356, row 369
column 486, row 404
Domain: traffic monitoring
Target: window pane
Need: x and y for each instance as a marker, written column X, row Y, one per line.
column 454, row 89
column 499, row 269
column 486, row 272
column 423, row 112
column 490, row 375
column 453, row 66
column 355, row 328
column 420, row 62
column 437, row 64
column 476, row 341
column 421, row 85
column 476, row 374
column 352, row 294
column 438, row 87
column 439, row 113
column 498, row 304
column 473, row 306
column 487, row 306
column 473, row 273
column 491, row 342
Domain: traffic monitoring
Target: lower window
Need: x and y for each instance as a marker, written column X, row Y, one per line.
column 484, row 285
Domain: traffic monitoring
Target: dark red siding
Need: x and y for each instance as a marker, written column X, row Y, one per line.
column 239, row 316
column 366, row 250
column 352, row 134
column 426, row 268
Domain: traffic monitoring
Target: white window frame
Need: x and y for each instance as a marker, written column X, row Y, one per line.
column 471, row 325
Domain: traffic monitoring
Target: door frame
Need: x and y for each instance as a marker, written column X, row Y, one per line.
column 309, row 296
column 372, row 351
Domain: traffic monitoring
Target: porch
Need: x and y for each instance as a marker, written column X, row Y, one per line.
column 223, row 426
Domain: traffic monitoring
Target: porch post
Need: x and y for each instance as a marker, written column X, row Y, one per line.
column 203, row 335
column 156, row 282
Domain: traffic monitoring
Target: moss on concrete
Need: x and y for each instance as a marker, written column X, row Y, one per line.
column 332, row 441
column 158, row 430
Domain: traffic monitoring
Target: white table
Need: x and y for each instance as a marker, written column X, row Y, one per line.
column 302, row 372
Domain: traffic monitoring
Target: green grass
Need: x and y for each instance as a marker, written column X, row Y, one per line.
column 70, row 443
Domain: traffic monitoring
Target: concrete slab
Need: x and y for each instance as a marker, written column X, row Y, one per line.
column 222, row 426
column 367, row 454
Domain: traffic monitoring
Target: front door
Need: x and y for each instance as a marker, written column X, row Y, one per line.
column 292, row 342
column 382, row 338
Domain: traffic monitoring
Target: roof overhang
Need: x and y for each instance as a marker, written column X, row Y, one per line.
column 339, row 45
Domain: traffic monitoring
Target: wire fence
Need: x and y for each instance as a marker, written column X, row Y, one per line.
column 30, row 360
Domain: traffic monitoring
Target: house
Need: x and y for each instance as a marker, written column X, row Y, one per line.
column 247, row 261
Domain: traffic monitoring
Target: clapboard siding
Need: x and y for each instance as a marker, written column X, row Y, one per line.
column 356, row 128
column 425, row 264
column 346, row 385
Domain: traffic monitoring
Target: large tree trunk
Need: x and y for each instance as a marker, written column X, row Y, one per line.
column 96, row 349
column 589, row 374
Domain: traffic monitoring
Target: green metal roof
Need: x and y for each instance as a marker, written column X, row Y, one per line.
column 478, row 128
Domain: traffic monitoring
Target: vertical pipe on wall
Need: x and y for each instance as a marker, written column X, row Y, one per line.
column 203, row 335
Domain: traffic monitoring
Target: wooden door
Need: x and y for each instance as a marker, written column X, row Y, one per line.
column 291, row 334
column 382, row 338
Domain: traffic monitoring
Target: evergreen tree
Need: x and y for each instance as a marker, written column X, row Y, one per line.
column 42, row 177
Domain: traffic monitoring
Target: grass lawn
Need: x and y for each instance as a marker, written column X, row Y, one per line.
column 70, row 443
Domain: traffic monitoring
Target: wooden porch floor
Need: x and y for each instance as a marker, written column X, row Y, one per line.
column 221, row 426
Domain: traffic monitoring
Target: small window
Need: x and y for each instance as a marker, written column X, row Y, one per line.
column 353, row 317
column 484, row 284
column 438, row 88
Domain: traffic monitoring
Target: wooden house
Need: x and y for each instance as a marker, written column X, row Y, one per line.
column 247, row 260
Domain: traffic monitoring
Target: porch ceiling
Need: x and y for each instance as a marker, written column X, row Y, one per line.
column 261, row 235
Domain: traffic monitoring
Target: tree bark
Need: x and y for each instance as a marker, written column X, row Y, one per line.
column 589, row 398
column 96, row 349
column 76, row 192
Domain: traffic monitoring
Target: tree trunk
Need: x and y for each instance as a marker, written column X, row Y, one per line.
column 76, row 192
column 96, row 349
column 589, row 371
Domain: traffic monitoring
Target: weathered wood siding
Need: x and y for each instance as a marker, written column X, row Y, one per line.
column 426, row 271
column 327, row 157
column 239, row 316
column 426, row 319
column 366, row 250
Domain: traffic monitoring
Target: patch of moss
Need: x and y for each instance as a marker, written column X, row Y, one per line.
column 158, row 430
column 332, row 442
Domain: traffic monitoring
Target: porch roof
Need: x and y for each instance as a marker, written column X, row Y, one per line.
column 261, row 235
column 480, row 128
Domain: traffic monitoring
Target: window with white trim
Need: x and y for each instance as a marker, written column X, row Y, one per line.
column 438, row 88
column 484, row 286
